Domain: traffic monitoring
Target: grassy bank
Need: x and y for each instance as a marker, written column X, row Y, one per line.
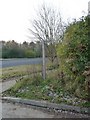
column 34, row 87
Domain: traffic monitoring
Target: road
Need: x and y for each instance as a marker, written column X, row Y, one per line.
column 10, row 110
column 22, row 61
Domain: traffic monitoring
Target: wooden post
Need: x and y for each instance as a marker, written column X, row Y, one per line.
column 44, row 61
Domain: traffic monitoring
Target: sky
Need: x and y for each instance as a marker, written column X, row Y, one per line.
column 15, row 15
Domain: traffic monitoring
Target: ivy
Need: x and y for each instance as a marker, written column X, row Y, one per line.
column 73, row 52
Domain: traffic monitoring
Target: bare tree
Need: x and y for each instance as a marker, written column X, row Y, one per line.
column 48, row 27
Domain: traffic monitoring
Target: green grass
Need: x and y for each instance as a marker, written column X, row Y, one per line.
column 16, row 71
column 34, row 87
column 87, row 104
column 10, row 72
column 50, row 90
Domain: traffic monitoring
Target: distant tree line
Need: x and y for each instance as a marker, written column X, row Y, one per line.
column 12, row 49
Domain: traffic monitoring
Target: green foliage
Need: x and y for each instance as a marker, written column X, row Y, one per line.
column 30, row 54
column 67, row 83
column 38, row 89
column 73, row 54
column 11, row 49
column 36, row 80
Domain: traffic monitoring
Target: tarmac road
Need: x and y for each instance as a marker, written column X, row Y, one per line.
column 10, row 110
column 21, row 61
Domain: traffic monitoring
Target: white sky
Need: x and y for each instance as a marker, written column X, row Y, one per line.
column 15, row 15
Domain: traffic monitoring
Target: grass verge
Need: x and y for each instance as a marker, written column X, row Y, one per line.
column 22, row 70
column 16, row 71
column 34, row 87
column 49, row 90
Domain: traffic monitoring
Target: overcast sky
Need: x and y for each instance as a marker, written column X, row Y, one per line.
column 15, row 15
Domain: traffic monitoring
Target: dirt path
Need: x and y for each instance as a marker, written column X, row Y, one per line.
column 7, row 84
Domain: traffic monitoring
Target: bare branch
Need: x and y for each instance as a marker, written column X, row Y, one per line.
column 48, row 27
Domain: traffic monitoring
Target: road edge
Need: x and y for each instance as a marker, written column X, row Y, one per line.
column 45, row 104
